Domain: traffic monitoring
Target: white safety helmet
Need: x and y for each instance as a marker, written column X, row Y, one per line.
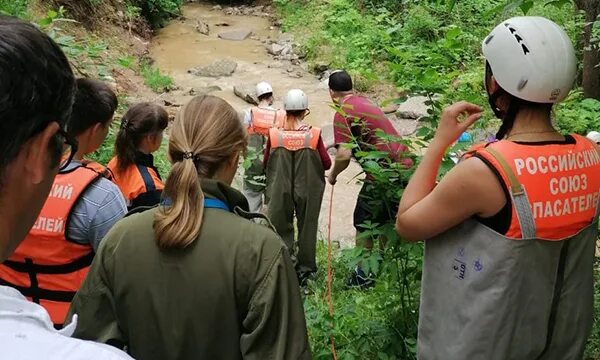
column 295, row 99
column 594, row 136
column 531, row 58
column 262, row 88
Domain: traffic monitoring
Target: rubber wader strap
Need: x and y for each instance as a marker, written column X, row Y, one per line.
column 279, row 138
column 307, row 139
column 251, row 216
column 519, row 198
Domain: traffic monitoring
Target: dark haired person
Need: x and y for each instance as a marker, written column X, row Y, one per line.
column 258, row 121
column 36, row 94
column 511, row 230
column 140, row 135
column 358, row 120
column 82, row 206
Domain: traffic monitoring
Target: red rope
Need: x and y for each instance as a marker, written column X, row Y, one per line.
column 330, row 274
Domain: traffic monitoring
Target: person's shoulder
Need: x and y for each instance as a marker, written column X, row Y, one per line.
column 50, row 345
column 102, row 191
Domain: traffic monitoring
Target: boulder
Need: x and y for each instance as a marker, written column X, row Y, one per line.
column 236, row 35
column 218, row 68
column 217, row 7
column 390, row 109
column 202, row 27
column 246, row 92
column 404, row 127
column 275, row 49
column 320, row 67
column 413, row 108
column 204, row 90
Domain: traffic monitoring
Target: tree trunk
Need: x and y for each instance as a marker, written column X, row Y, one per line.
column 591, row 51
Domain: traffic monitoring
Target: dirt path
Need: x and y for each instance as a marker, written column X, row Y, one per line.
column 180, row 47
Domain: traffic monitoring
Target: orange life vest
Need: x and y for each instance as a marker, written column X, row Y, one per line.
column 46, row 267
column 562, row 184
column 99, row 168
column 295, row 140
column 135, row 180
column 262, row 120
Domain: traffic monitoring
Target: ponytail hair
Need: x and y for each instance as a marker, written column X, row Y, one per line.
column 140, row 120
column 206, row 133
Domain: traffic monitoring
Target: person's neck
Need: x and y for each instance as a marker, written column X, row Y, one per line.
column 264, row 104
column 292, row 123
column 82, row 145
column 533, row 125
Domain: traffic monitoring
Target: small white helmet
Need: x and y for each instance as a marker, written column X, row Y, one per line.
column 531, row 58
column 594, row 136
column 295, row 99
column 262, row 88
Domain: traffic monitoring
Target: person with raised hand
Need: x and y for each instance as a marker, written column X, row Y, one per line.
column 510, row 231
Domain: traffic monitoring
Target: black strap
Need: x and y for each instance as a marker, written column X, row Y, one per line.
column 148, row 180
column 30, row 267
column 36, row 293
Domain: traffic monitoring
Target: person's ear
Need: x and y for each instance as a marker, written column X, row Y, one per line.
column 39, row 159
column 234, row 159
column 492, row 85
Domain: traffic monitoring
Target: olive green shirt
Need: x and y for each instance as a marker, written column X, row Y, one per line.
column 232, row 294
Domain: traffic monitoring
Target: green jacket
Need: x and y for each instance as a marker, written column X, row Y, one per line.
column 232, row 294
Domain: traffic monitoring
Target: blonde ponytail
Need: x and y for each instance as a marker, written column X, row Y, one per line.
column 205, row 134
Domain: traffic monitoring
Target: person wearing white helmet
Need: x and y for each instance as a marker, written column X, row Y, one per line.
column 594, row 136
column 258, row 121
column 510, row 231
column 295, row 162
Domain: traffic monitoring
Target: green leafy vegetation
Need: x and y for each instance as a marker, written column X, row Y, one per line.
column 154, row 79
column 14, row 7
column 429, row 48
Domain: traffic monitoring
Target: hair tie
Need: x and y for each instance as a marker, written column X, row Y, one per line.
column 124, row 124
column 188, row 155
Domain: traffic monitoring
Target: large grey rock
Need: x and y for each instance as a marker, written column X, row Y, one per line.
column 246, row 92
column 216, row 69
column 202, row 27
column 217, row 7
column 275, row 49
column 404, row 127
column 413, row 108
column 203, row 90
column 236, row 35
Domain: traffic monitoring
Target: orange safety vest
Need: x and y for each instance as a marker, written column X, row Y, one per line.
column 135, row 180
column 99, row 168
column 561, row 183
column 295, row 140
column 265, row 119
column 46, row 267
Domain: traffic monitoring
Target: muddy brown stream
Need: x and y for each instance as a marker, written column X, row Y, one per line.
column 179, row 47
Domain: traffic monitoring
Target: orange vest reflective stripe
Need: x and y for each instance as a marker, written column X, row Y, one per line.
column 135, row 180
column 46, row 267
column 295, row 140
column 265, row 119
column 562, row 184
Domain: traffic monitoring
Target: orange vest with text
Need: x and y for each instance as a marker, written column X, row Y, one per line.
column 561, row 181
column 46, row 267
column 295, row 140
column 265, row 119
column 135, row 180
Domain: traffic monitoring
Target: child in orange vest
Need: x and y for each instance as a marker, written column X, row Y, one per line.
column 296, row 160
column 140, row 135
